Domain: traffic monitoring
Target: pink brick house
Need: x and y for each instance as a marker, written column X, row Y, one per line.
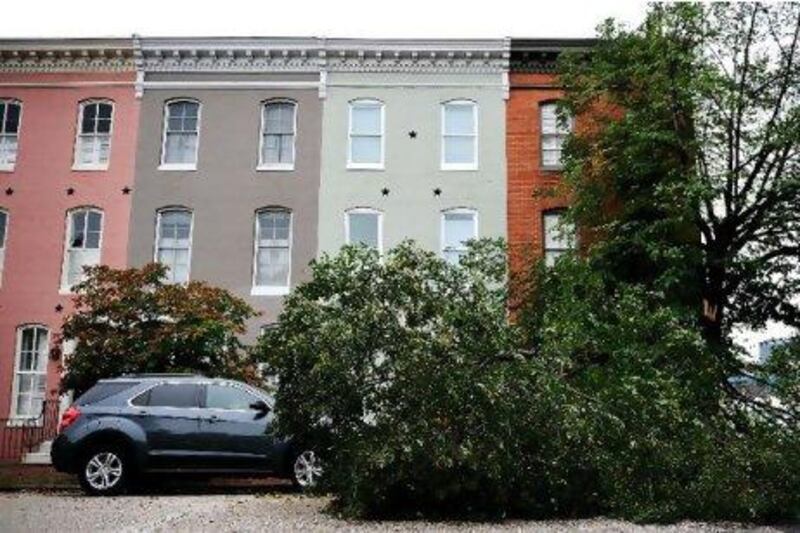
column 68, row 125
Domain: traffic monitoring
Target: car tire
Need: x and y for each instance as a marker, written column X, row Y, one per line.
column 105, row 470
column 306, row 469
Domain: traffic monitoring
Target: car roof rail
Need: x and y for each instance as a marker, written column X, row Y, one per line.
column 163, row 375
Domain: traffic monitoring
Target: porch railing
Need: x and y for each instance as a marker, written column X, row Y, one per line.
column 19, row 436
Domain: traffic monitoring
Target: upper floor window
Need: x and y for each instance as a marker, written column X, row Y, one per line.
column 3, row 231
column 460, row 135
column 554, row 131
column 366, row 135
column 273, row 252
column 459, row 226
column 174, row 243
column 181, row 134
column 84, row 235
column 364, row 226
column 93, row 143
column 10, row 114
column 278, row 123
column 559, row 236
column 30, row 371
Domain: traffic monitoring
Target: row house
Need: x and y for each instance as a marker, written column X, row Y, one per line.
column 68, row 121
column 237, row 161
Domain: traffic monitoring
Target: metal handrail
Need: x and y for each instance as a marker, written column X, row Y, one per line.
column 19, row 436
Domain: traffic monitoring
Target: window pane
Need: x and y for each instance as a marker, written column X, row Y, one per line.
column 12, row 118
column 459, row 119
column 458, row 228
column 104, row 125
column 104, row 111
column 78, row 229
column 366, row 119
column 365, row 149
column 2, row 115
column 363, row 229
column 181, row 148
column 279, row 118
column 174, row 395
column 549, row 118
column 226, row 397
column 273, row 267
column 3, row 223
column 274, row 226
column 459, row 150
column 175, row 224
column 557, row 233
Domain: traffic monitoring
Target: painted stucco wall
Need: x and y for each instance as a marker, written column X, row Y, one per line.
column 412, row 165
column 226, row 190
column 36, row 199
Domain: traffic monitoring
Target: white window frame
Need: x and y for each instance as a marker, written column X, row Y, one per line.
column 547, row 251
column 76, row 164
column 271, row 290
column 367, row 102
column 364, row 211
column 3, row 241
column 65, row 288
column 460, row 166
column 179, row 166
column 9, row 167
column 173, row 209
column 442, row 233
column 542, row 134
column 281, row 167
column 13, row 415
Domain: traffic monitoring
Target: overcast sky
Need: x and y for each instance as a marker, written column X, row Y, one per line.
column 330, row 18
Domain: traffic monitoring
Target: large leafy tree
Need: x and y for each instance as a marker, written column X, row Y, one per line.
column 133, row 321
column 686, row 169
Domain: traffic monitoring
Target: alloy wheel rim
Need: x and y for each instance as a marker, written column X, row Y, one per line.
column 307, row 469
column 103, row 471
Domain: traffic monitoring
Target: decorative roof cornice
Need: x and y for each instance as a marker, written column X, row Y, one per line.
column 66, row 55
column 417, row 55
column 230, row 54
column 540, row 55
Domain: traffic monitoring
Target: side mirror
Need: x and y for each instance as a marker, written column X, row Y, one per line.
column 260, row 405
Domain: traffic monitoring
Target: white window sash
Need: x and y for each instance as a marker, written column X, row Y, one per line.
column 381, row 136
column 39, row 375
column 98, row 156
column 364, row 211
column 460, row 248
column 281, row 164
column 167, row 132
column 260, row 289
column 445, row 136
column 9, row 145
column 163, row 245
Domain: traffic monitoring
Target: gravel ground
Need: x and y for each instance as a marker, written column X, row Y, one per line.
column 273, row 510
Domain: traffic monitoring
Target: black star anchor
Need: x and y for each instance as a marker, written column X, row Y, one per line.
column 385, row 191
column 59, row 308
column 412, row 134
column 70, row 191
column 126, row 190
column 9, row 191
column 437, row 191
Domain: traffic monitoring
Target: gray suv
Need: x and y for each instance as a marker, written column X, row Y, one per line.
column 136, row 424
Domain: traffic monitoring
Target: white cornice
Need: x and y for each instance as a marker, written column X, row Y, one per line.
column 66, row 55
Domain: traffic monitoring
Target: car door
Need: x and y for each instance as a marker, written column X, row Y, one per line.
column 169, row 414
column 236, row 435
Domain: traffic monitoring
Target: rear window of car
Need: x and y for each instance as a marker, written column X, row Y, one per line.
column 101, row 391
column 170, row 395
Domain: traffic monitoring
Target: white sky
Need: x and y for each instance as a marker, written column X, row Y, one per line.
column 329, row 18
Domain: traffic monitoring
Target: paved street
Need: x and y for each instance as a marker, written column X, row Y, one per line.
column 259, row 509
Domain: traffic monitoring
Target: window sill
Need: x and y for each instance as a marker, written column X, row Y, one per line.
column 7, row 168
column 89, row 168
column 275, row 168
column 17, row 421
column 65, row 291
column 365, row 166
column 551, row 169
column 458, row 168
column 269, row 291
column 177, row 167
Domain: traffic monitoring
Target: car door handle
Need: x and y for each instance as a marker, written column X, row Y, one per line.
column 213, row 418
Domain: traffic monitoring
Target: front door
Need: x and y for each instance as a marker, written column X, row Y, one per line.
column 235, row 435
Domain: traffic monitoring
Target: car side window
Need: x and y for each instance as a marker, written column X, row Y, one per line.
column 170, row 395
column 227, row 397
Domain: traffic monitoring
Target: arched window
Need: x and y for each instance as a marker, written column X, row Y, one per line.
column 364, row 225
column 554, row 131
column 559, row 235
column 30, row 371
column 272, row 261
column 10, row 118
column 181, row 135
column 366, row 135
column 82, row 249
column 460, row 135
column 93, row 141
column 459, row 226
column 3, row 232
column 278, row 125
column 173, row 247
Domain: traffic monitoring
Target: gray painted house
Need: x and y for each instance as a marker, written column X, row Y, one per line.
column 413, row 143
column 227, row 164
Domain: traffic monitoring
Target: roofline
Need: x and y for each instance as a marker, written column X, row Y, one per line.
column 551, row 44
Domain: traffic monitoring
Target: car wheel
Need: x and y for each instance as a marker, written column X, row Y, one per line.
column 105, row 471
column 306, row 469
